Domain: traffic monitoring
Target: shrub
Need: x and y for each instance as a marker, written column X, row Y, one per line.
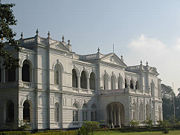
column 134, row 123
column 148, row 123
column 89, row 126
column 14, row 133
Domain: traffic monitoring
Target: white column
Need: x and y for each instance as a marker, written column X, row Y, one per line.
column 119, row 111
column 79, row 84
column 88, row 84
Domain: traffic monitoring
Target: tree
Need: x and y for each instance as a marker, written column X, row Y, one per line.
column 8, row 45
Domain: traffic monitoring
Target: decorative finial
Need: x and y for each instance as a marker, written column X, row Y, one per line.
column 63, row 38
column 146, row 63
column 121, row 57
column 141, row 62
column 48, row 34
column 37, row 32
column 21, row 35
column 98, row 50
column 68, row 42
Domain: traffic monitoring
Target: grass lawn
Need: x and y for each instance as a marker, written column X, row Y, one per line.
column 175, row 132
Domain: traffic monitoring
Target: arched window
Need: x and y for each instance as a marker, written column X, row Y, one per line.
column 83, row 80
column 126, row 86
column 134, row 111
column 141, row 114
column 26, row 111
column 85, row 112
column 152, row 88
column 57, row 75
column 74, row 79
column 131, row 84
column 93, row 113
column 75, row 112
column 137, row 85
column 92, row 81
column 9, row 111
column 10, row 75
column 26, row 71
column 119, row 82
column 148, row 116
column 105, row 81
column 113, row 82
column 56, row 112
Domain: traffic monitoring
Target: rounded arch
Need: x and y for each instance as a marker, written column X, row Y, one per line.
column 74, row 78
column 56, row 112
column 27, row 111
column 125, row 83
column 141, row 114
column 115, row 114
column 76, row 112
column 59, row 64
column 58, row 70
column 137, row 85
column 85, row 112
column 84, row 79
column 93, row 112
column 106, row 80
column 120, row 81
column 131, row 84
column 134, row 111
column 9, row 111
column 148, row 110
column 152, row 87
column 27, row 71
column 113, row 82
column 92, row 81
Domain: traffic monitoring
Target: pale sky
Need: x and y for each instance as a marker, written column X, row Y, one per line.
column 147, row 30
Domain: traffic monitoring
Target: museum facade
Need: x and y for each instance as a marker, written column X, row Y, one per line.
column 55, row 88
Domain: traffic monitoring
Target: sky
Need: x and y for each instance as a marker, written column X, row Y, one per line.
column 147, row 30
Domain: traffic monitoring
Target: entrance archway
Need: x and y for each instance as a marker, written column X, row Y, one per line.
column 115, row 114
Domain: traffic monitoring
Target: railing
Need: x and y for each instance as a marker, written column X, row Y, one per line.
column 112, row 92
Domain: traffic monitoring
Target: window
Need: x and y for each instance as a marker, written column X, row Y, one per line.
column 126, row 83
column 56, row 112
column 92, row 81
column 75, row 112
column 57, row 74
column 93, row 113
column 9, row 111
column 119, row 82
column 74, row 79
column 83, row 80
column 26, row 111
column 113, row 82
column 105, row 81
column 26, row 73
column 137, row 85
column 85, row 112
column 131, row 84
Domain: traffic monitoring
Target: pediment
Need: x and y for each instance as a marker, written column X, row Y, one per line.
column 59, row 46
column 113, row 59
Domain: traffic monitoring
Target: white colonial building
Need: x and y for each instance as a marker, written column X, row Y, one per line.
column 56, row 88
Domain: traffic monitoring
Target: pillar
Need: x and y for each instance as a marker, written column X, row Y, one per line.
column 88, row 83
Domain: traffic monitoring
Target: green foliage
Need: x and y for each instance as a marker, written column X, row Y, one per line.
column 8, row 45
column 148, row 123
column 89, row 126
column 134, row 123
column 14, row 133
